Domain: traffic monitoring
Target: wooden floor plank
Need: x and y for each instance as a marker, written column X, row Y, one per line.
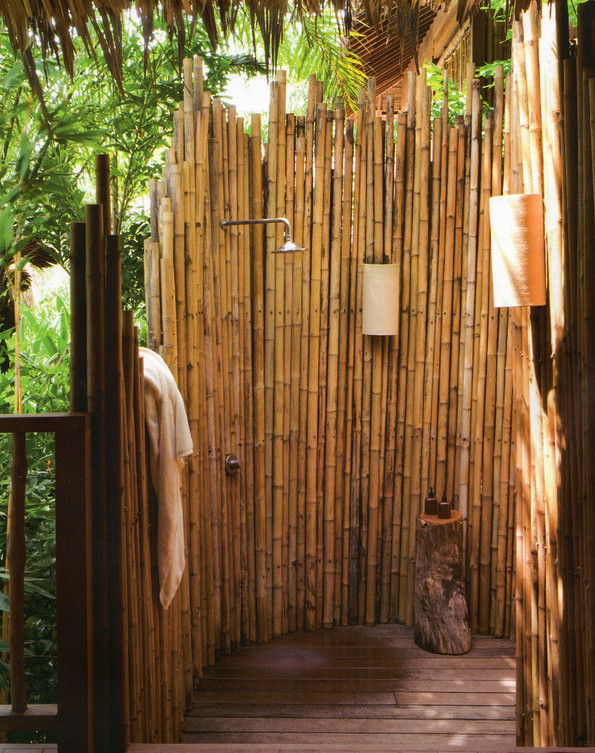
column 282, row 725
column 378, row 659
column 294, row 669
column 306, row 685
column 352, row 711
column 341, row 741
column 417, row 698
column 250, row 695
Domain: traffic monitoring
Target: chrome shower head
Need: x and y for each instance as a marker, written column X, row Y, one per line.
column 288, row 245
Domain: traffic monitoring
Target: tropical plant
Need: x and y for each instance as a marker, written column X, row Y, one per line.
column 44, row 334
column 456, row 97
column 313, row 45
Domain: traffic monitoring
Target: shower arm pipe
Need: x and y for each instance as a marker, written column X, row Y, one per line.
column 266, row 221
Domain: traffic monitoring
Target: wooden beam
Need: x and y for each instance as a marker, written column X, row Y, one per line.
column 36, row 718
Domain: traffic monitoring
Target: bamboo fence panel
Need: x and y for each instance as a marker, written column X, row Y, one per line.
column 341, row 435
column 336, row 535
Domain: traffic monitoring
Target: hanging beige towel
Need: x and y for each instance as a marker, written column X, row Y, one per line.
column 170, row 441
column 380, row 306
column 518, row 256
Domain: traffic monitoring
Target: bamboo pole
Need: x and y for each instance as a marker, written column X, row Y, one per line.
column 345, row 384
column 358, row 256
column 293, row 314
column 213, row 407
column 373, row 354
column 301, row 306
column 303, row 509
column 488, row 484
column 470, row 303
column 420, row 381
column 262, row 610
column 460, row 292
column 114, row 474
column 530, row 33
column 168, row 301
column 406, row 337
column 399, row 212
column 249, row 452
column 550, row 88
column 368, row 507
column 476, row 519
column 446, row 345
column 275, row 311
column 391, row 378
column 95, row 276
column 431, row 373
column 152, row 695
column 78, row 319
column 273, row 417
column 314, row 355
column 132, row 565
column 286, row 206
column 202, row 238
column 331, row 507
column 322, row 367
column 441, row 233
column 350, row 268
column 193, row 494
column 219, row 194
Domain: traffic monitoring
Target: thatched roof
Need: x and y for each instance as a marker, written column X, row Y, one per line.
column 387, row 52
column 50, row 25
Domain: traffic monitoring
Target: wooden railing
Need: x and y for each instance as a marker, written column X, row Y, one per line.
column 72, row 716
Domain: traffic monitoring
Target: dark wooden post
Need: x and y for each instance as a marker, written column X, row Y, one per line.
column 15, row 561
column 73, row 585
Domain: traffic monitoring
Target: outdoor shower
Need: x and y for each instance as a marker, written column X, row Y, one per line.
column 288, row 245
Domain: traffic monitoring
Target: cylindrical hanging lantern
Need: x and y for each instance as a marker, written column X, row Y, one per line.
column 518, row 251
column 380, row 308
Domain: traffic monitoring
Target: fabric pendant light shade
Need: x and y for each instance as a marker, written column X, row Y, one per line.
column 380, row 315
column 518, row 250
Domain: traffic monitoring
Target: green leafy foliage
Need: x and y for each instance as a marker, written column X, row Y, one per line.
column 313, row 45
column 45, row 374
column 456, row 97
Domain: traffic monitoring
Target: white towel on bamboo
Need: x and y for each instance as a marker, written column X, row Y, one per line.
column 170, row 441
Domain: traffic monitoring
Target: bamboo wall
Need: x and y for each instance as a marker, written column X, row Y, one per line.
column 552, row 125
column 141, row 666
column 340, row 436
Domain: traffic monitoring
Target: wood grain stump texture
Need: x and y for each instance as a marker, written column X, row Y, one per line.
column 441, row 614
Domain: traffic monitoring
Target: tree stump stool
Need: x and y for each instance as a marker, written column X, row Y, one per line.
column 441, row 617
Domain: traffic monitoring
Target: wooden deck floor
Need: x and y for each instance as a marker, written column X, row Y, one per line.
column 354, row 690
column 357, row 688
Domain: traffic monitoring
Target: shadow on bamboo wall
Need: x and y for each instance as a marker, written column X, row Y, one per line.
column 553, row 99
column 339, row 435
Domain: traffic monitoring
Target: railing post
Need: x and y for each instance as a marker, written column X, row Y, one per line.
column 15, row 560
column 74, row 586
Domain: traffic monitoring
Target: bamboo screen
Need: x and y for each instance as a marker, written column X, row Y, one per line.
column 340, row 436
column 552, row 132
